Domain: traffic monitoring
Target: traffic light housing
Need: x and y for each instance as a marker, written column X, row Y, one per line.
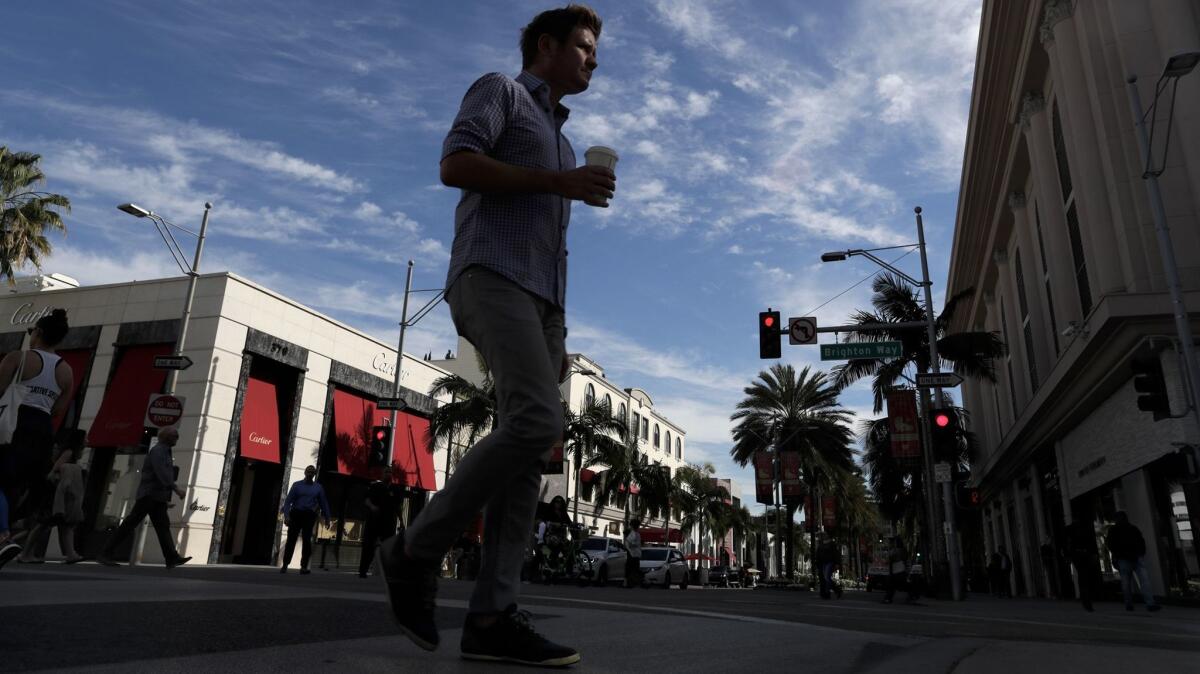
column 967, row 498
column 944, row 431
column 769, row 334
column 381, row 442
column 1151, row 387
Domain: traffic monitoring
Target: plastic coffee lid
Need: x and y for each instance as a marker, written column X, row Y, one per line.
column 601, row 149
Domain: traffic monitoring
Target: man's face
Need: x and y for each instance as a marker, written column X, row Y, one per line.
column 573, row 61
column 310, row 473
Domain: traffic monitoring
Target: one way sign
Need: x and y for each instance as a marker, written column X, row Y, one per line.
column 172, row 362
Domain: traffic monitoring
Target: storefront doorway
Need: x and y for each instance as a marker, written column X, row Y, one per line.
column 255, row 490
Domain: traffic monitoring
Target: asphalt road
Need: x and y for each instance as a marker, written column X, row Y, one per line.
column 222, row 619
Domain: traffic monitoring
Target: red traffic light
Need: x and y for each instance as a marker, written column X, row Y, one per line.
column 942, row 420
column 769, row 321
column 379, row 435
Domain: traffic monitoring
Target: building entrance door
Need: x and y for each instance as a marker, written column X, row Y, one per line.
column 250, row 527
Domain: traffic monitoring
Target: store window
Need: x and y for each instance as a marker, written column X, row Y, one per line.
column 1037, row 218
column 1026, row 322
column 589, row 395
column 657, row 438
column 1069, row 203
column 678, row 449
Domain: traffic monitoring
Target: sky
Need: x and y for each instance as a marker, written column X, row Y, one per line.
column 753, row 136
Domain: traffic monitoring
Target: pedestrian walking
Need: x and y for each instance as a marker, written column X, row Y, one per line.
column 36, row 388
column 506, row 287
column 381, row 518
column 1081, row 547
column 829, row 559
column 633, row 553
column 8, row 548
column 1128, row 550
column 153, row 496
column 897, row 569
column 1004, row 569
column 305, row 500
column 1050, row 567
column 65, row 510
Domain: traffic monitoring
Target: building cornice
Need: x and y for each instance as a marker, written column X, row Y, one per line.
column 1054, row 12
column 1031, row 104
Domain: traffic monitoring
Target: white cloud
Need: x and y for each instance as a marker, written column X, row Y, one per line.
column 700, row 27
column 95, row 268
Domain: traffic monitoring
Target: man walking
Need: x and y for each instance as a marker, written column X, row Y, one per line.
column 506, row 288
column 304, row 500
column 633, row 553
column 829, row 558
column 1128, row 550
column 381, row 518
column 1004, row 567
column 1081, row 546
column 153, row 496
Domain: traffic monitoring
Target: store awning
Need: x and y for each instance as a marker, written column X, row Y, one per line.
column 260, row 422
column 80, row 361
column 586, row 475
column 123, row 409
column 353, row 417
column 659, row 535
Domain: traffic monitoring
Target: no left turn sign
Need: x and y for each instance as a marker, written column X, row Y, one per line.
column 164, row 410
column 802, row 330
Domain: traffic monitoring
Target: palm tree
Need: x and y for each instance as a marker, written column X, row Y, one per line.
column 736, row 520
column 624, row 465
column 702, row 501
column 797, row 413
column 592, row 428
column 27, row 213
column 471, row 412
column 970, row 354
column 658, row 494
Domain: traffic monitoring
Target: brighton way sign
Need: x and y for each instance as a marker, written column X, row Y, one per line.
column 859, row 350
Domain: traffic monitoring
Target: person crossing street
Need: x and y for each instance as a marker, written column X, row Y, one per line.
column 305, row 500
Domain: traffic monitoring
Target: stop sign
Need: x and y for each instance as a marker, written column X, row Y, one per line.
column 164, row 410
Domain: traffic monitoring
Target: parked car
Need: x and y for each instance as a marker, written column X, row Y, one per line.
column 724, row 576
column 608, row 558
column 664, row 566
column 877, row 576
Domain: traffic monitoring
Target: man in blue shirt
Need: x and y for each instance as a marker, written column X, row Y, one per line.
column 300, row 508
column 153, row 497
column 506, row 288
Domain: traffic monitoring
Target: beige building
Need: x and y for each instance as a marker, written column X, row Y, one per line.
column 1055, row 236
column 274, row 386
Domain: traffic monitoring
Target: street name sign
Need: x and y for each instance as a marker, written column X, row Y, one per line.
column 941, row 471
column 164, row 410
column 391, row 404
column 172, row 362
column 938, row 380
column 861, row 350
column 802, row 330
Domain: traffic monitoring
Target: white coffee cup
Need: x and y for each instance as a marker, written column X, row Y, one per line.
column 598, row 155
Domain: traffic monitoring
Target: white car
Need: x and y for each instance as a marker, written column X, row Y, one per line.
column 664, row 566
column 608, row 558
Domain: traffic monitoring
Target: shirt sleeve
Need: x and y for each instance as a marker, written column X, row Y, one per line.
column 324, row 501
column 481, row 117
column 289, row 501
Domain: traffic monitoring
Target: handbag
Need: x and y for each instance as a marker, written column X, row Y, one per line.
column 10, row 402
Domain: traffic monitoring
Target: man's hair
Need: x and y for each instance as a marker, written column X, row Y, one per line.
column 558, row 24
column 54, row 327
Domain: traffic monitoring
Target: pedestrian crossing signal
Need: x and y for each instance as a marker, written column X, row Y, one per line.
column 381, row 442
column 967, row 498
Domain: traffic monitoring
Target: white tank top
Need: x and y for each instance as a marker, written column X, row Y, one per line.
column 42, row 391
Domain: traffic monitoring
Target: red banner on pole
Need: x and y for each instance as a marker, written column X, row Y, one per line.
column 829, row 512
column 790, row 482
column 903, row 424
column 764, row 478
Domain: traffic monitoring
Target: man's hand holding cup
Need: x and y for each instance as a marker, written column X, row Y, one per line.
column 593, row 183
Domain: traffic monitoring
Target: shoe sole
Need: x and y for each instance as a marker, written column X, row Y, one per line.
column 555, row 662
column 379, row 570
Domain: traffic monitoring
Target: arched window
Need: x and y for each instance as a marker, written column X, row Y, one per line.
column 608, row 403
column 667, row 445
column 678, row 448
column 621, row 412
column 589, row 394
column 657, row 437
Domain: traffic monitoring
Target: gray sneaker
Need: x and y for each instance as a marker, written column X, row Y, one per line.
column 513, row 639
column 7, row 552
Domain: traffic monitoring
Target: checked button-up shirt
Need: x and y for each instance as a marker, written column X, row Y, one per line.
column 522, row 237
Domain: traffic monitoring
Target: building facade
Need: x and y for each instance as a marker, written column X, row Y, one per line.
column 1055, row 243
column 274, row 387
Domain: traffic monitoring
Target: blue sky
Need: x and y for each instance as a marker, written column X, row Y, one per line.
column 753, row 136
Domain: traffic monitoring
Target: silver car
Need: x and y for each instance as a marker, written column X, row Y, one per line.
column 664, row 567
column 608, row 558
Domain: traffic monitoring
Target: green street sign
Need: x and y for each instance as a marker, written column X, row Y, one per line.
column 857, row 350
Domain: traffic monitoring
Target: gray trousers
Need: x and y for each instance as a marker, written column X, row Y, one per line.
column 520, row 336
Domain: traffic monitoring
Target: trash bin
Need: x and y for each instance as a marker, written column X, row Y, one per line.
column 702, row 574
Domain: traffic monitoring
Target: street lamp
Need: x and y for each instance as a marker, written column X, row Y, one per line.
column 934, row 363
column 164, row 230
column 1177, row 67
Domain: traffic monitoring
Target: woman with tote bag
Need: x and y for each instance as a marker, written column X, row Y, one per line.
column 41, row 384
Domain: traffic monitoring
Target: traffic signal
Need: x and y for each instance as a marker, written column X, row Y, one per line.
column 1152, row 388
column 381, row 442
column 966, row 497
column 769, row 334
column 944, row 431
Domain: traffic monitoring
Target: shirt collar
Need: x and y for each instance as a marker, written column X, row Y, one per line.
column 540, row 90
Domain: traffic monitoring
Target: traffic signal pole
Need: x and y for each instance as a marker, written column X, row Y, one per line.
column 951, row 530
column 391, row 448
